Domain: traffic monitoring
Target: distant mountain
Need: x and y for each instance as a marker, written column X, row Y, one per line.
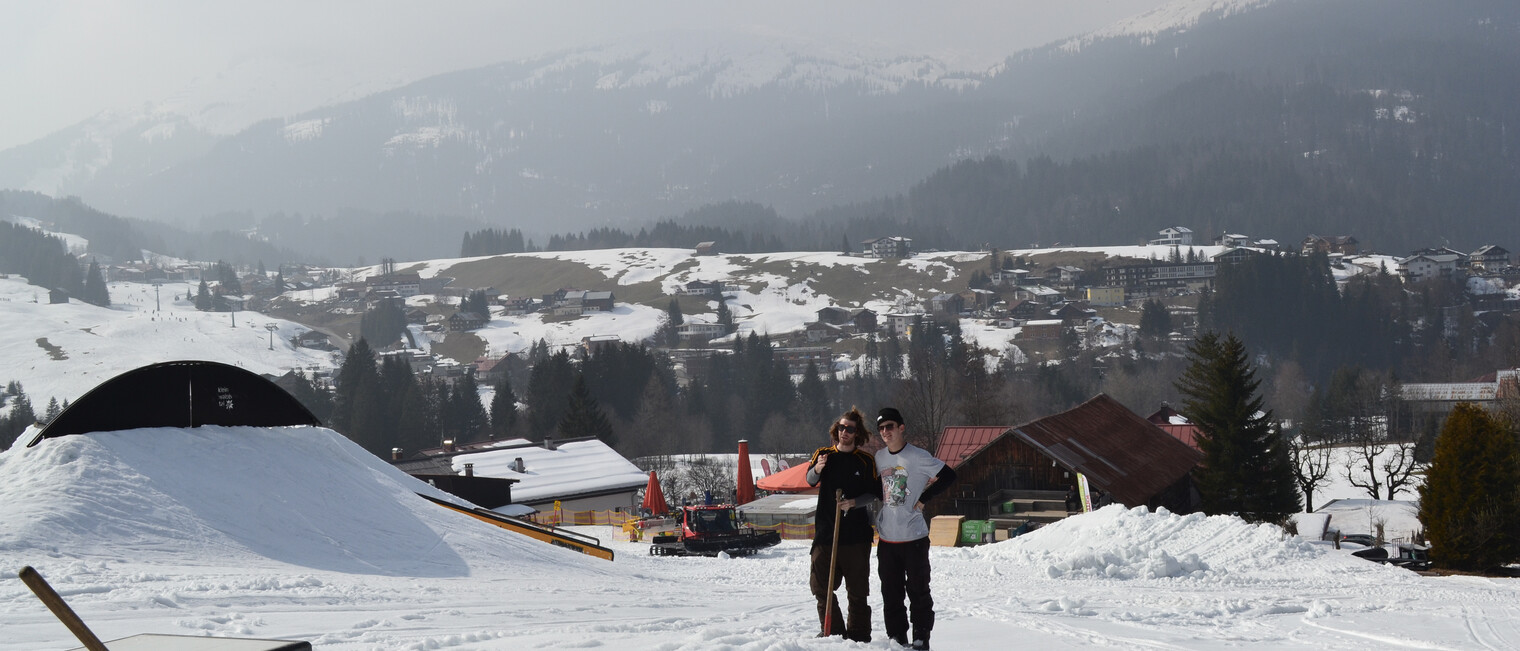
column 1389, row 120
column 1392, row 120
column 607, row 136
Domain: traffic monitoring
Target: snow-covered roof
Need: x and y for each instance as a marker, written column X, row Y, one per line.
column 1452, row 392
column 575, row 467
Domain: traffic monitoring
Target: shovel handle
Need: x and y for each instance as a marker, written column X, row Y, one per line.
column 60, row 609
column 828, row 602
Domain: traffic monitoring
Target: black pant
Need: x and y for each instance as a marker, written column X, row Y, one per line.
column 904, row 571
column 853, row 568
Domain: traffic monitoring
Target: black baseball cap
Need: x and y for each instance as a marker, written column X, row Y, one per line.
column 889, row 413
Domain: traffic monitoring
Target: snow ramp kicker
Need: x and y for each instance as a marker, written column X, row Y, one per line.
column 553, row 535
column 179, row 394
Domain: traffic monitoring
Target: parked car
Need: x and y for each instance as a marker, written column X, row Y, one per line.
column 1363, row 539
column 1405, row 555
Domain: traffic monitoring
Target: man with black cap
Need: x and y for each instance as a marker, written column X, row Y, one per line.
column 902, row 552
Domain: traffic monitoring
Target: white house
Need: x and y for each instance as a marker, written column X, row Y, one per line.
column 581, row 474
column 1233, row 239
column 1175, row 236
column 1416, row 268
column 889, row 247
column 696, row 330
column 897, row 325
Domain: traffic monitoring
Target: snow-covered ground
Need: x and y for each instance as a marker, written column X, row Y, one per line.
column 762, row 300
column 62, row 351
column 298, row 533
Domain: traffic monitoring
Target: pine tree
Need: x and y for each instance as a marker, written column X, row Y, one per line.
column 584, row 417
column 312, row 395
column 279, row 281
column 503, row 409
column 813, row 397
column 467, row 419
column 414, row 427
column 476, row 302
column 383, row 323
column 20, row 417
column 725, row 317
column 656, row 427
column 1469, row 505
column 1246, row 468
column 358, row 370
column 669, row 334
column 1155, row 320
column 548, row 385
column 674, row 312
column 228, row 277
column 203, row 301
column 52, row 410
column 95, row 291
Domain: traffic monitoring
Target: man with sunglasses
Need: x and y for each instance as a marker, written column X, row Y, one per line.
column 902, row 555
column 844, row 466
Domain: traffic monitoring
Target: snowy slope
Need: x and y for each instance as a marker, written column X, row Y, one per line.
column 62, row 351
column 297, row 533
column 1177, row 15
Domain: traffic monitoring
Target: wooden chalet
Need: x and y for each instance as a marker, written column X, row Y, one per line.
column 1029, row 472
column 463, row 321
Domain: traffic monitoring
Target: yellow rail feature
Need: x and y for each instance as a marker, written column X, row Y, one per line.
column 621, row 519
column 558, row 537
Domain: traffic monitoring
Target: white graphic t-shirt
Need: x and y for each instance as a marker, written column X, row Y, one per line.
column 903, row 478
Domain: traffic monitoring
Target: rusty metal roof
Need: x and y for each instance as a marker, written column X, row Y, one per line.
column 1185, row 432
column 956, row 444
column 1119, row 452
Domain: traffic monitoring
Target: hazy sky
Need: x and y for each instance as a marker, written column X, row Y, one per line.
column 62, row 62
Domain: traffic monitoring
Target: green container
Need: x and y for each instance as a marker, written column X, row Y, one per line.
column 973, row 531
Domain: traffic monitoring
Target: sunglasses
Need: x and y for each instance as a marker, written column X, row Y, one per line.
column 888, row 426
column 848, row 429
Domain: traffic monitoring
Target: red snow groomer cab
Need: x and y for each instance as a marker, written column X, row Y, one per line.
column 712, row 530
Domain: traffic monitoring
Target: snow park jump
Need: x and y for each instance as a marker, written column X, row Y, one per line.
column 194, row 393
column 182, row 473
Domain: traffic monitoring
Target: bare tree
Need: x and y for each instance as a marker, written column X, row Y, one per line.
column 1398, row 466
column 1311, row 467
column 712, row 475
column 1361, row 469
column 927, row 398
column 1379, row 522
column 783, row 435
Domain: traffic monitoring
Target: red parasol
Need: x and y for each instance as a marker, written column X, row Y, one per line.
column 654, row 499
column 746, row 478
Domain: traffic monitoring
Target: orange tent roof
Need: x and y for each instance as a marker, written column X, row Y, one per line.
column 791, row 480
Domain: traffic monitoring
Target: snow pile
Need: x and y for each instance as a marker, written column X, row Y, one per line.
column 1118, row 543
column 304, row 496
